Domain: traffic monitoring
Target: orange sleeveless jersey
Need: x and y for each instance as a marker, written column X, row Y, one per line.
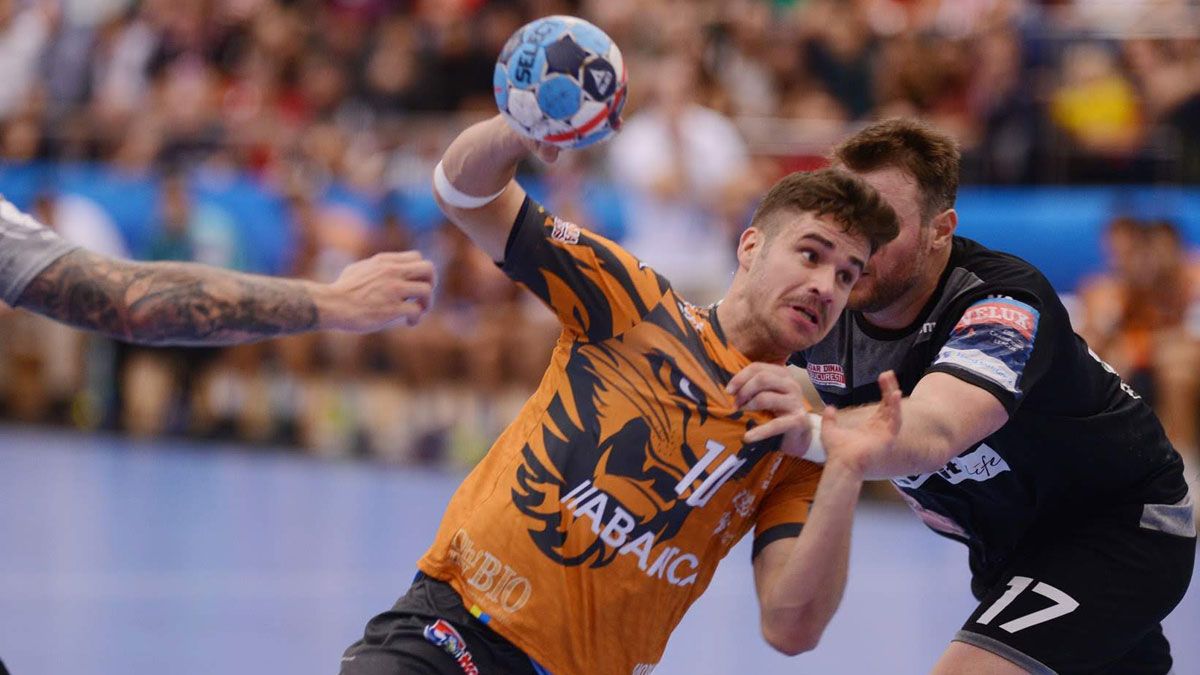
column 601, row 512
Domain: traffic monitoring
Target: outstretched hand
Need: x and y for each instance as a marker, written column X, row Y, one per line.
column 856, row 446
column 385, row 290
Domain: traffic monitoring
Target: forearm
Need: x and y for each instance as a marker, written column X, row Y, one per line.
column 807, row 589
column 170, row 303
column 923, row 445
column 483, row 159
column 481, row 163
column 943, row 416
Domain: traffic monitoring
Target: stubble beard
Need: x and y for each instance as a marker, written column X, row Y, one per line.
column 768, row 336
column 883, row 295
column 887, row 291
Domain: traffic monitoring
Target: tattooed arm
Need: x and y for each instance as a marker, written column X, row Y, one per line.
column 190, row 304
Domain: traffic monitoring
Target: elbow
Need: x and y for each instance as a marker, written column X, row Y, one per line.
column 792, row 637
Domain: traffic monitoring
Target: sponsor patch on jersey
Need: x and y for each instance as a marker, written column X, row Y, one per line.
column 993, row 339
column 1000, row 312
column 441, row 634
column 489, row 574
column 689, row 311
column 565, row 231
column 826, row 375
column 978, row 465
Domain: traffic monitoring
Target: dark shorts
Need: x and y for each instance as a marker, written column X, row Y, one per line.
column 1090, row 598
column 430, row 632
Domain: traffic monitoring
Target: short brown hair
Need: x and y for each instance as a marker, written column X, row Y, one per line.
column 927, row 154
column 830, row 192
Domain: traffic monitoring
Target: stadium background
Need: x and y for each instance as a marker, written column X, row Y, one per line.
column 291, row 137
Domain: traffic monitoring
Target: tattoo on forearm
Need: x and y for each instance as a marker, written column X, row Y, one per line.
column 168, row 303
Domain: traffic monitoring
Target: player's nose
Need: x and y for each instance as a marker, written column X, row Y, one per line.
column 823, row 283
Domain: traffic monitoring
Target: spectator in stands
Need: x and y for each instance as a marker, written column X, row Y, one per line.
column 1136, row 317
column 25, row 32
column 1168, row 72
column 1096, row 106
column 840, row 51
column 677, row 161
column 44, row 358
column 158, row 383
column 339, row 101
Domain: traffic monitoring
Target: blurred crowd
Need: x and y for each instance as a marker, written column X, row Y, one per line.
column 1142, row 315
column 293, row 136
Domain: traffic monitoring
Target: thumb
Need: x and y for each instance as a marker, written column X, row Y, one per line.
column 828, row 416
column 829, row 413
column 547, row 153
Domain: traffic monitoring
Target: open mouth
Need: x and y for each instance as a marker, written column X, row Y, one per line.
column 807, row 313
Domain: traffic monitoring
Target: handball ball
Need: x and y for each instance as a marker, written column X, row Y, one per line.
column 560, row 80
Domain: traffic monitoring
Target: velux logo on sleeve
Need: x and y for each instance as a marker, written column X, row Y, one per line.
column 1001, row 312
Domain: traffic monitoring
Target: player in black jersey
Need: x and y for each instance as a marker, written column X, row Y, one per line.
column 1017, row 440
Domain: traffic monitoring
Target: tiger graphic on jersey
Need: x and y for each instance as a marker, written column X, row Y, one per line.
column 601, row 512
column 622, row 442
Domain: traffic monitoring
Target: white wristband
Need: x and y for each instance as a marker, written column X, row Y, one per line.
column 453, row 196
column 816, row 450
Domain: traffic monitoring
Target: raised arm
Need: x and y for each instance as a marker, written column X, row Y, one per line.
column 478, row 165
column 190, row 304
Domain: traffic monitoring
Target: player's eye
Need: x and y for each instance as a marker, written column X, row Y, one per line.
column 673, row 379
column 809, row 255
column 847, row 278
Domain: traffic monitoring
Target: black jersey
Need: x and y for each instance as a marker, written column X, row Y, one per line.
column 1077, row 438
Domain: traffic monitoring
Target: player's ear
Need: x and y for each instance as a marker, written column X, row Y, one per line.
column 750, row 244
column 944, row 226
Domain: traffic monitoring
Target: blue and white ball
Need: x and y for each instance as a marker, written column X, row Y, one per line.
column 562, row 81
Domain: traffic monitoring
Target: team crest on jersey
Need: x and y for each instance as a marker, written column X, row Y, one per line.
column 441, row 634
column 691, row 313
column 826, row 375
column 565, row 231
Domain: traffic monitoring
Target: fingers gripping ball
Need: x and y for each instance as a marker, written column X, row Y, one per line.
column 560, row 80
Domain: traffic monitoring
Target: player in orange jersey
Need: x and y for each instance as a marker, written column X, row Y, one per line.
column 601, row 512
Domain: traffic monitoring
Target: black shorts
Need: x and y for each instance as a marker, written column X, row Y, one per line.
column 1090, row 598
column 430, row 632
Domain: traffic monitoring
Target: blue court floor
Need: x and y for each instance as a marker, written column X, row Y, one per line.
column 132, row 558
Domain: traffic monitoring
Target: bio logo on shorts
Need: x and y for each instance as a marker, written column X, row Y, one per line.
column 444, row 635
